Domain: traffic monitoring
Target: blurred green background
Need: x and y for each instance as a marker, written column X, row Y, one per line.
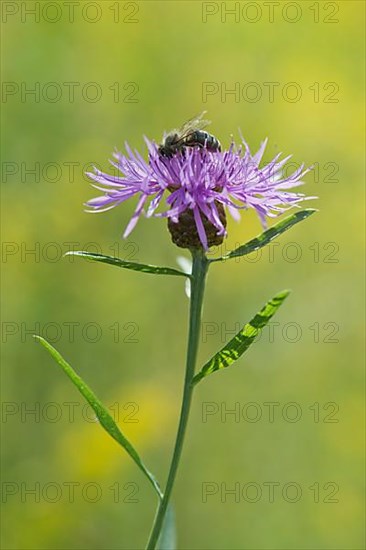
column 125, row 332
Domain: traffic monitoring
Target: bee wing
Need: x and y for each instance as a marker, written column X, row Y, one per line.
column 195, row 123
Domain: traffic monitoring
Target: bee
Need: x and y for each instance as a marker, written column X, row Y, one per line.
column 191, row 134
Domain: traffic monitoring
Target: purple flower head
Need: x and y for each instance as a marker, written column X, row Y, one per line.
column 200, row 183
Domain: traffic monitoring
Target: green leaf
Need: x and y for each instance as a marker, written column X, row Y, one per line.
column 101, row 412
column 168, row 535
column 243, row 339
column 145, row 268
column 268, row 235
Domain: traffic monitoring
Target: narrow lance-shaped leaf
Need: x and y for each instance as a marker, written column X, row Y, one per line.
column 268, row 235
column 101, row 412
column 111, row 260
column 244, row 338
column 168, row 535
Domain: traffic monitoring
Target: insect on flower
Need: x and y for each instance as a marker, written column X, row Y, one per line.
column 197, row 183
column 191, row 134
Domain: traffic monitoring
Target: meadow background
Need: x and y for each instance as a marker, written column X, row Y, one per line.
column 125, row 332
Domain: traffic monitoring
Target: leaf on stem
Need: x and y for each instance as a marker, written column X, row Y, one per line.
column 168, row 535
column 101, row 412
column 267, row 236
column 111, row 260
column 243, row 339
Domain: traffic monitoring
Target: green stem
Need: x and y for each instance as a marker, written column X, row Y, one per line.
column 199, row 271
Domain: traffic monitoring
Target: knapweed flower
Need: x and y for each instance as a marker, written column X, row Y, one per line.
column 193, row 189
